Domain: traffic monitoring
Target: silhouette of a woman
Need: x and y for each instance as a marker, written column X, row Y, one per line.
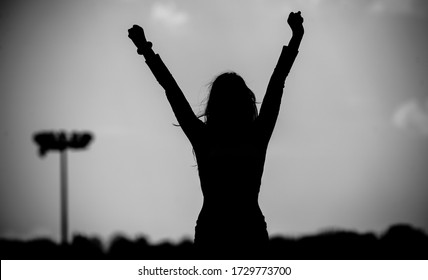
column 230, row 148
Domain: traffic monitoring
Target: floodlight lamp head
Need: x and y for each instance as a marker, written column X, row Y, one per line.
column 60, row 141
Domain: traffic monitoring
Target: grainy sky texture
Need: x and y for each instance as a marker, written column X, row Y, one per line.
column 350, row 149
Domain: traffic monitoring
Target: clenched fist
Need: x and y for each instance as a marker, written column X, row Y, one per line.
column 136, row 34
column 295, row 21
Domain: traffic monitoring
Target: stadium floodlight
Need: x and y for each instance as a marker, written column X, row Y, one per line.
column 61, row 142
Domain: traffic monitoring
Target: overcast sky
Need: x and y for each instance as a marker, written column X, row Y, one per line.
column 350, row 148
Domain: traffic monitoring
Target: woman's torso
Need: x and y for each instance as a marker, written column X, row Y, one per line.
column 230, row 170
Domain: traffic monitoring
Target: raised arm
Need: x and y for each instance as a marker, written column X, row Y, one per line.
column 272, row 100
column 181, row 108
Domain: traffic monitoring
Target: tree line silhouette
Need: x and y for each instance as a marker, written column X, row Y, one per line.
column 398, row 242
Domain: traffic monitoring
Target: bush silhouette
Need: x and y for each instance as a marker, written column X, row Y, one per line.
column 398, row 242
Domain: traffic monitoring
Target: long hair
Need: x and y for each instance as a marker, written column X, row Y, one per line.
column 229, row 101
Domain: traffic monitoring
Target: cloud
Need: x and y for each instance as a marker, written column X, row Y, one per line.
column 169, row 15
column 413, row 114
column 396, row 7
column 375, row 7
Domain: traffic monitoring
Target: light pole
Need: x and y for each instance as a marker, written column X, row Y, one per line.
column 61, row 141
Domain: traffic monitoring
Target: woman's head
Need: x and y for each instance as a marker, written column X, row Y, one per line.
column 230, row 102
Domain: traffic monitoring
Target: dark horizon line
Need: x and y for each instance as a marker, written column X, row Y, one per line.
column 399, row 242
column 186, row 238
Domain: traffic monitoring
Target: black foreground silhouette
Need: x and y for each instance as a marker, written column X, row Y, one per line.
column 230, row 148
column 400, row 242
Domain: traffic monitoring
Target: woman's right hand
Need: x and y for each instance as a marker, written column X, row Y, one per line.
column 136, row 34
column 295, row 21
